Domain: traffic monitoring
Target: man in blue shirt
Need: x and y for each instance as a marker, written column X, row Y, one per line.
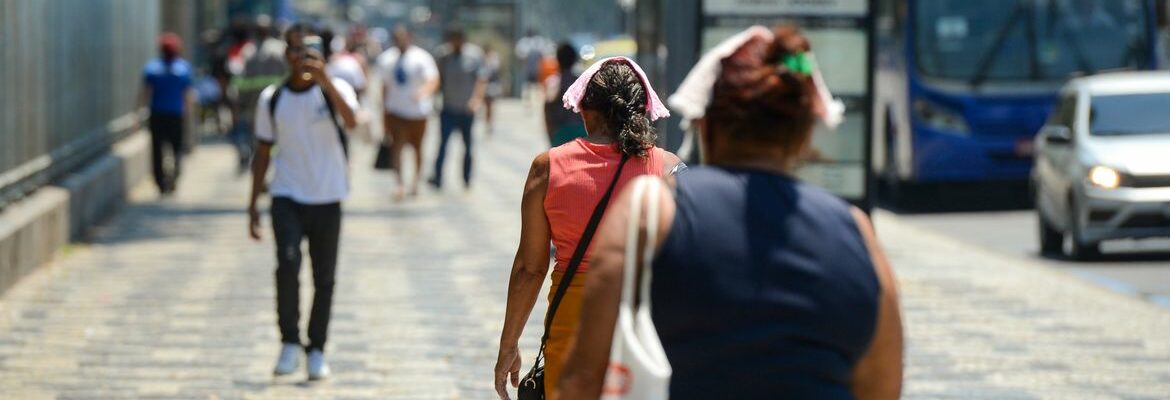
column 167, row 85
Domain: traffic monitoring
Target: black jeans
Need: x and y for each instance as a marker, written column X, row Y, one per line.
column 166, row 130
column 449, row 121
column 293, row 222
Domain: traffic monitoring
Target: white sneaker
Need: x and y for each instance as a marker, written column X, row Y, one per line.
column 318, row 368
column 289, row 360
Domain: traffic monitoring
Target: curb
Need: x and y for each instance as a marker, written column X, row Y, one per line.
column 888, row 224
column 33, row 229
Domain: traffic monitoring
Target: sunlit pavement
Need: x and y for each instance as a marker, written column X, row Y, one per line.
column 172, row 300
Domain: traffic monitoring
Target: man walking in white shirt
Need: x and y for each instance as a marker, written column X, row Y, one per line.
column 410, row 78
column 307, row 117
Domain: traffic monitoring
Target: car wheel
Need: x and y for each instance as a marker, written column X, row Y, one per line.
column 1081, row 249
column 1051, row 240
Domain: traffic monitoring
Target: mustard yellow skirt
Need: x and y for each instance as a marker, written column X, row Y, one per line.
column 564, row 328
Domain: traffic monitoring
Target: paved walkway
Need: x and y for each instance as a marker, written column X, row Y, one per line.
column 171, row 300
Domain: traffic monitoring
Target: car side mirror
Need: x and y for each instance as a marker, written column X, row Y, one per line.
column 1057, row 135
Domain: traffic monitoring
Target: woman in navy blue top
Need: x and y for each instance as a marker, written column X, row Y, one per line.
column 763, row 287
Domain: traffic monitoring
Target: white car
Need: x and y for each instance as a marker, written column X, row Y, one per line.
column 1103, row 163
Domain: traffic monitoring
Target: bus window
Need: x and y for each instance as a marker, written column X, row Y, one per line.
column 1014, row 40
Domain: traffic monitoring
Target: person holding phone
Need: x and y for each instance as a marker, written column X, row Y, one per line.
column 307, row 116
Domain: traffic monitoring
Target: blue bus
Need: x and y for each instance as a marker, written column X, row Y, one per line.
column 962, row 86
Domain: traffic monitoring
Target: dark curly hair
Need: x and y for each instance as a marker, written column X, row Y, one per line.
column 618, row 93
column 756, row 99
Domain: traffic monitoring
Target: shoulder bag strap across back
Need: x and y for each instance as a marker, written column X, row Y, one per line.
column 578, row 256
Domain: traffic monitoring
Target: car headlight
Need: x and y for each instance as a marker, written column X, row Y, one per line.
column 1104, row 177
column 940, row 117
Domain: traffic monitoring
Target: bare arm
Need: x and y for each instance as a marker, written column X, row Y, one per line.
column 143, row 100
column 143, row 96
column 191, row 102
column 259, row 172
column 427, row 89
column 528, row 273
column 585, row 365
column 347, row 115
column 477, row 95
column 385, row 92
column 878, row 375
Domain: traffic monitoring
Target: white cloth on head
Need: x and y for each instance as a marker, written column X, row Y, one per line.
column 654, row 108
column 694, row 94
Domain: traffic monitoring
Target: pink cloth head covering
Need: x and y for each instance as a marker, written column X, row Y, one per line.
column 654, row 108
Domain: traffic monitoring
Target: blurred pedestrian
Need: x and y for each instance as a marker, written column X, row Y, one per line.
column 562, row 125
column 237, row 47
column 783, row 284
column 240, row 36
column 567, row 190
column 264, row 66
column 216, row 45
column 349, row 64
column 463, row 82
column 495, row 89
column 530, row 49
column 306, row 116
column 167, row 85
column 409, row 80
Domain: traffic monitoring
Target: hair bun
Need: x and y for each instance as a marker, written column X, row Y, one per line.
column 757, row 95
column 617, row 91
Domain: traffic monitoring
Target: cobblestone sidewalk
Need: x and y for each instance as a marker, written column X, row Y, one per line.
column 171, row 300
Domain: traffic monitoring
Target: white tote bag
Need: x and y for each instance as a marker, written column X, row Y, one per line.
column 638, row 367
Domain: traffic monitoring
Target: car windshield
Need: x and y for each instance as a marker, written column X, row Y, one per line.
column 1130, row 114
column 1027, row 40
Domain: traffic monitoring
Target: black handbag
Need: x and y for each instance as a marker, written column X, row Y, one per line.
column 532, row 386
column 385, row 159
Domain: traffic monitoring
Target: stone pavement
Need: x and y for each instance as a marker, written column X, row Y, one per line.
column 171, row 300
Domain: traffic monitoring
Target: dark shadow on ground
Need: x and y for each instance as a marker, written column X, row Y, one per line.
column 937, row 198
column 1110, row 258
column 167, row 219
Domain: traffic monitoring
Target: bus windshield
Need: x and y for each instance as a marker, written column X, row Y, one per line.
column 1027, row 40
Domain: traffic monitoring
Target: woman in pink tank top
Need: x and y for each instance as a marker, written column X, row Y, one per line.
column 564, row 186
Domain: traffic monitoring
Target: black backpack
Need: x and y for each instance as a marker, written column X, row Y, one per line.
column 328, row 104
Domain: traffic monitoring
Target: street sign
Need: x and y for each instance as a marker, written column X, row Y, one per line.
column 840, row 33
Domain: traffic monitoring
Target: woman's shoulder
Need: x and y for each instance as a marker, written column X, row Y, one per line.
column 540, row 163
column 563, row 149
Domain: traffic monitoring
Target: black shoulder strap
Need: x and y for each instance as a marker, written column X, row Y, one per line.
column 579, row 254
column 344, row 140
column 277, row 90
column 328, row 104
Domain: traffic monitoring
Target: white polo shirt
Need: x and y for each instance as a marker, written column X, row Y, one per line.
column 309, row 163
column 417, row 67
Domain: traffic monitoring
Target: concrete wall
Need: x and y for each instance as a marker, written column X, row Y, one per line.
column 70, row 68
column 35, row 228
column 31, row 231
